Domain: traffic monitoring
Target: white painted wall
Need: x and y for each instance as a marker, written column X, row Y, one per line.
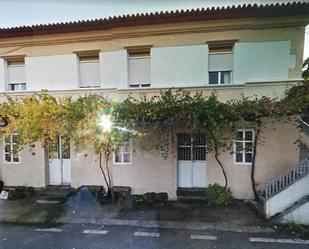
column 304, row 138
column 29, row 172
column 114, row 69
column 54, row 72
column 299, row 215
column 89, row 73
column 3, row 71
column 287, row 197
column 179, row 66
column 262, row 61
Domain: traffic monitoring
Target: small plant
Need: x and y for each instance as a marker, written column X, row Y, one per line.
column 216, row 195
column 21, row 192
column 292, row 229
column 138, row 200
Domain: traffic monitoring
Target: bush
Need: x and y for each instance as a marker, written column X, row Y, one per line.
column 150, row 199
column 21, row 192
column 216, row 195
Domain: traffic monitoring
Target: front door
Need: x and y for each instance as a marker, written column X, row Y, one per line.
column 60, row 162
column 191, row 160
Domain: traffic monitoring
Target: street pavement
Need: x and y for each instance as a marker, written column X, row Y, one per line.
column 78, row 236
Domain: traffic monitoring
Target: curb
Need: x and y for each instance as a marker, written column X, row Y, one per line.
column 146, row 224
column 185, row 226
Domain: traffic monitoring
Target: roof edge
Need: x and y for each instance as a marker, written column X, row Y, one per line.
column 203, row 14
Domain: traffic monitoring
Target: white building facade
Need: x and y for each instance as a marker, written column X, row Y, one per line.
column 237, row 52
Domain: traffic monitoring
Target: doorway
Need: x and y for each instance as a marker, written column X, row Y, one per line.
column 59, row 161
column 192, row 164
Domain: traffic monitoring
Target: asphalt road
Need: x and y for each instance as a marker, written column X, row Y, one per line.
column 123, row 237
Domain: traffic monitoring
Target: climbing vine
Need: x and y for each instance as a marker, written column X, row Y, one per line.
column 42, row 117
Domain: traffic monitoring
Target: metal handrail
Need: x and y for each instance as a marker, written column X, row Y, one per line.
column 286, row 179
column 305, row 127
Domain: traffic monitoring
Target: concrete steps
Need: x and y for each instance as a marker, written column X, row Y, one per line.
column 258, row 207
column 54, row 194
column 191, row 195
column 288, row 214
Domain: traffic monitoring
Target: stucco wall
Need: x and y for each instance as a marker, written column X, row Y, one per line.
column 147, row 173
column 29, row 172
column 114, row 69
column 300, row 215
column 262, row 46
column 262, row 61
column 52, row 72
column 150, row 173
column 276, row 154
column 3, row 74
column 179, row 66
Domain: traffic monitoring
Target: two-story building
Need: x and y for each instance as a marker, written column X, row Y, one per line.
column 236, row 51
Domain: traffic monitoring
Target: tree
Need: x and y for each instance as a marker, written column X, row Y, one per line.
column 169, row 110
column 41, row 118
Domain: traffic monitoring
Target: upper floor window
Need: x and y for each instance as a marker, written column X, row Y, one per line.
column 11, row 153
column 124, row 154
column 16, row 80
column 220, row 62
column 243, row 146
column 89, row 69
column 139, row 67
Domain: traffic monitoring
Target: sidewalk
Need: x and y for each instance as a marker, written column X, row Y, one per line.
column 236, row 218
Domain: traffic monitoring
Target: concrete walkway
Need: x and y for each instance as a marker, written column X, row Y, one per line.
column 236, row 218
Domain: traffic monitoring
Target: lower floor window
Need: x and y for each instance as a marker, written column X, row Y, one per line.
column 220, row 77
column 243, row 146
column 124, row 154
column 11, row 153
column 17, row 87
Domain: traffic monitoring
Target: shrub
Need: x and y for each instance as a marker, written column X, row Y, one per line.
column 216, row 195
column 151, row 199
column 21, row 192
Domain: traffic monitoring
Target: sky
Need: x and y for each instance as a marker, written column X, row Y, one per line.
column 28, row 12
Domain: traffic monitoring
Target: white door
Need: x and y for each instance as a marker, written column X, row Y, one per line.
column 60, row 162
column 191, row 160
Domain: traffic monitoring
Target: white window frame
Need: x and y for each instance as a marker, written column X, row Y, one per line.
column 219, row 77
column 82, row 58
column 20, row 63
column 121, row 152
column 140, row 85
column 133, row 57
column 244, row 151
column 19, row 87
column 12, row 146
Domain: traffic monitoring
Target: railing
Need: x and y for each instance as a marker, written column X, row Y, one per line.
column 305, row 127
column 286, row 179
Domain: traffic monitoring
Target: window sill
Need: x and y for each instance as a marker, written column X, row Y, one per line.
column 242, row 164
column 119, row 164
column 139, row 86
column 11, row 163
column 85, row 87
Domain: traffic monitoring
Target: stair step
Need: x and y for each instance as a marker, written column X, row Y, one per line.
column 191, row 199
column 258, row 207
column 191, row 192
column 54, row 194
column 277, row 218
column 42, row 201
